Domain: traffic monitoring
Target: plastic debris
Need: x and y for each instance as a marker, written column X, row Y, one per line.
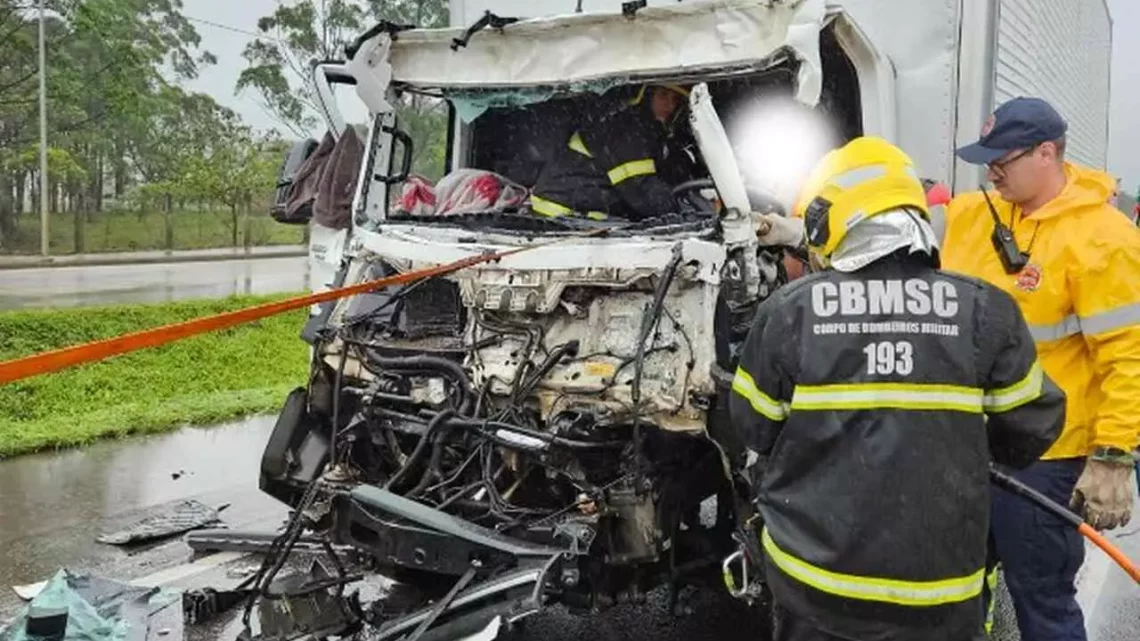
column 74, row 607
column 182, row 517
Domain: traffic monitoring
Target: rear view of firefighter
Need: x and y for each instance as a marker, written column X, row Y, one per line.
column 614, row 166
column 865, row 388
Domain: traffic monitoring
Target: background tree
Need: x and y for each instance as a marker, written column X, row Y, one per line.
column 300, row 33
column 296, row 36
column 108, row 63
column 233, row 169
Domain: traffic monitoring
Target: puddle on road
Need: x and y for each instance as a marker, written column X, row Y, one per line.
column 53, row 505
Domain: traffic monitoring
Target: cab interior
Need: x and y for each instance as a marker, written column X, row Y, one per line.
column 516, row 142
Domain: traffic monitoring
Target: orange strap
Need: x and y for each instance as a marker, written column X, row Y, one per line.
column 55, row 360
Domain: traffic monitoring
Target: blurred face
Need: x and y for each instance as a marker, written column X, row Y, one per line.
column 665, row 102
column 1021, row 175
column 794, row 267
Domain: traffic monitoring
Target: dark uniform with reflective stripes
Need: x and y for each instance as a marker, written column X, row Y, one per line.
column 869, row 393
column 608, row 168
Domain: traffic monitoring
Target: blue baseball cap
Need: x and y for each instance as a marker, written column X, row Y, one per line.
column 1016, row 124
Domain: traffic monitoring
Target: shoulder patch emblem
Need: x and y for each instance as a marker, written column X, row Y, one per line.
column 1029, row 278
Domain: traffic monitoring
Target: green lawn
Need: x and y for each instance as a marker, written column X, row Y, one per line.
column 206, row 379
column 114, row 231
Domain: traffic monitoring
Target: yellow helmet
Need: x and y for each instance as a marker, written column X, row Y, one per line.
column 675, row 88
column 865, row 177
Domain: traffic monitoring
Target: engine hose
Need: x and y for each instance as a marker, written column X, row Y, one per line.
column 432, row 470
column 561, row 441
column 418, row 452
column 566, row 349
column 423, row 362
column 649, row 322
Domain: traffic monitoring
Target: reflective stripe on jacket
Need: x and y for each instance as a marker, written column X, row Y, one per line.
column 607, row 168
column 1080, row 294
column 878, row 399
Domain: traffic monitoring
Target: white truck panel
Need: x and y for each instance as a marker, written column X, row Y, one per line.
column 466, row 12
column 1059, row 50
column 921, row 41
column 570, row 48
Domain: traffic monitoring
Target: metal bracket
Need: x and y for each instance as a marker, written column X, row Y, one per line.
column 630, row 9
column 384, row 26
column 488, row 20
column 581, row 536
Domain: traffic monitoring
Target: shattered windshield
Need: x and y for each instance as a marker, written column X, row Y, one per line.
column 534, row 159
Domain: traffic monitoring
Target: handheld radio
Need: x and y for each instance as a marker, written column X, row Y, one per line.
column 1013, row 260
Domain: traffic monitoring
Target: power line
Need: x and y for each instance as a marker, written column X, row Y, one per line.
column 233, row 29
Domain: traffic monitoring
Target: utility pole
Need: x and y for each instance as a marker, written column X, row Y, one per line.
column 44, row 236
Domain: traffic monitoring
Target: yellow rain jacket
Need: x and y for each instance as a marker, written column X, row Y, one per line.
column 1080, row 295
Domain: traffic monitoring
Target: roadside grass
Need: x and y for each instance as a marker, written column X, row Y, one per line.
column 201, row 380
column 119, row 231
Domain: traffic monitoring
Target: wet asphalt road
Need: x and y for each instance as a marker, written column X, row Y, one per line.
column 106, row 284
column 53, row 505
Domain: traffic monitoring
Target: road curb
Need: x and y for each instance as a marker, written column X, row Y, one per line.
column 114, row 259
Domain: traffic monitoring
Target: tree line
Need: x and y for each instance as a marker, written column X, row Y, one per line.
column 123, row 131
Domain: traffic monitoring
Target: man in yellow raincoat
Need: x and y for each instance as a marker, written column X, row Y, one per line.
column 1048, row 236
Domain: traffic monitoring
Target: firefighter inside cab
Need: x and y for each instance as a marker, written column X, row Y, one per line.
column 622, row 164
column 875, row 392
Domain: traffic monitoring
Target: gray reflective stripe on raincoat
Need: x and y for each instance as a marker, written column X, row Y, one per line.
column 1113, row 319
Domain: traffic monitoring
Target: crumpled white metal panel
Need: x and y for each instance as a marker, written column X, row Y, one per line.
column 1059, row 50
column 566, row 49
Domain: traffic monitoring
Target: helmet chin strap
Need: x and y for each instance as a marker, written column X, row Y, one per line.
column 816, row 263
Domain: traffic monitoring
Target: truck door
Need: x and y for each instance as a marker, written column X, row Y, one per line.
column 337, row 105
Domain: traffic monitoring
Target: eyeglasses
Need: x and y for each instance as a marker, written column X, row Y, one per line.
column 998, row 166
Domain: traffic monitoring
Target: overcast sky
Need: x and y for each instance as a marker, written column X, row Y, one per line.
column 1124, row 146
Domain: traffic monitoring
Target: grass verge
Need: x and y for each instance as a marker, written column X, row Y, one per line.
column 205, row 379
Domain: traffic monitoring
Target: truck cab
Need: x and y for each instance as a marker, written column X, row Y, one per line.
column 806, row 78
column 587, row 370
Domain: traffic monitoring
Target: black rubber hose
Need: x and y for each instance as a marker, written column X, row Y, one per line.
column 336, row 402
column 566, row 349
column 535, row 434
column 432, row 470
column 649, row 321
column 423, row 362
column 418, row 452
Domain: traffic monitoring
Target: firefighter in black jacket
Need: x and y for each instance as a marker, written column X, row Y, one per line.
column 876, row 392
column 615, row 165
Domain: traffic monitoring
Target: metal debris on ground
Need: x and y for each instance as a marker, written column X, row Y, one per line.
column 182, row 517
column 203, row 606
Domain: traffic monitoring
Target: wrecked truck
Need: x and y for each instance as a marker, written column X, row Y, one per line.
column 551, row 428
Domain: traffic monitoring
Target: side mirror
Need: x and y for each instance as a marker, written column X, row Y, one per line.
column 294, row 159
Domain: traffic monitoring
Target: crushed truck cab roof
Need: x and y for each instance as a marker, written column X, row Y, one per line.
column 591, row 51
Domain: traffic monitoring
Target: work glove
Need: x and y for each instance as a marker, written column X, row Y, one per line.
column 1103, row 494
column 774, row 229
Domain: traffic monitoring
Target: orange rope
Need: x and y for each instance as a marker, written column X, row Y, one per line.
column 56, row 360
